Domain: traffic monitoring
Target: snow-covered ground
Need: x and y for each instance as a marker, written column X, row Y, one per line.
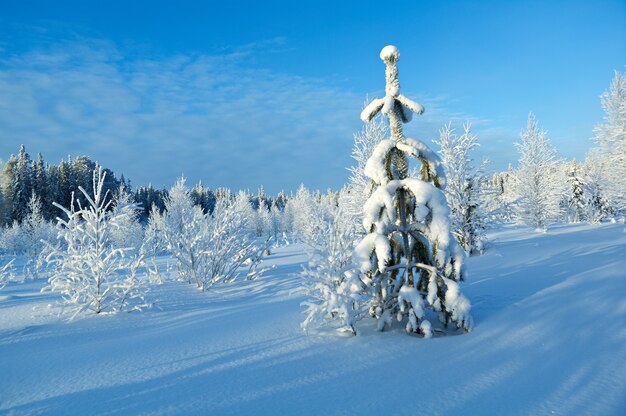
column 549, row 338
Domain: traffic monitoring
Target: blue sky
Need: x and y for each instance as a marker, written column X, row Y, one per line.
column 241, row 94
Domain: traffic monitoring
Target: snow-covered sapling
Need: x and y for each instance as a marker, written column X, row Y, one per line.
column 409, row 258
column 6, row 273
column 89, row 272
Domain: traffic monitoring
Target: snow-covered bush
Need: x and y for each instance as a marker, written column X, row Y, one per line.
column 409, row 259
column 89, row 272
column 335, row 292
column 127, row 232
column 575, row 197
column 539, row 181
column 597, row 207
column 360, row 186
column 11, row 239
column 154, row 242
column 332, row 284
column 6, row 273
column 209, row 248
column 464, row 188
column 26, row 238
column 309, row 216
column 500, row 198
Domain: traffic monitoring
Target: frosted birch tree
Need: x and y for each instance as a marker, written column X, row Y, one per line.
column 409, row 259
column 538, row 183
column 464, row 187
column 360, row 186
column 611, row 136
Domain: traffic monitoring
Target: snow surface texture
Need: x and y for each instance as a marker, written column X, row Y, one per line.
column 549, row 339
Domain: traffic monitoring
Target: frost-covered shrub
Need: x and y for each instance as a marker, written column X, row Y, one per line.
column 6, row 273
column 331, row 282
column 464, row 189
column 154, row 242
column 208, row 248
column 27, row 238
column 409, row 259
column 500, row 200
column 127, row 233
column 309, row 215
column 11, row 239
column 85, row 267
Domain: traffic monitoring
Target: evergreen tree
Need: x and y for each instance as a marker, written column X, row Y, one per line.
column 409, row 258
column 23, row 187
column 9, row 182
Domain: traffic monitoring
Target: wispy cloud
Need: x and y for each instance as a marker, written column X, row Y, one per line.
column 212, row 117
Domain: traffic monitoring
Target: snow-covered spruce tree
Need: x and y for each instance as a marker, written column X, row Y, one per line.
column 409, row 258
column 85, row 268
column 539, row 182
column 464, row 186
column 611, row 136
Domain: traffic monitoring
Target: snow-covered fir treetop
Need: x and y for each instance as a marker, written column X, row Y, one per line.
column 396, row 106
column 398, row 109
column 390, row 53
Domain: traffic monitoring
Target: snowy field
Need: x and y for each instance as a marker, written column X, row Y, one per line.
column 549, row 338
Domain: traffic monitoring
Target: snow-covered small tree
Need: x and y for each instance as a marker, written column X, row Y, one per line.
column 209, row 248
column 464, row 187
column 539, row 182
column 35, row 231
column 154, row 242
column 85, row 268
column 127, row 232
column 309, row 217
column 598, row 208
column 360, row 186
column 27, row 238
column 409, row 258
column 575, row 199
column 332, row 284
column 6, row 272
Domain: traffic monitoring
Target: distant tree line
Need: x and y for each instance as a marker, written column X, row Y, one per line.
column 21, row 178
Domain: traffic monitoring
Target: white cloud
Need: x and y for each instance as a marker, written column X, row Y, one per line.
column 215, row 118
